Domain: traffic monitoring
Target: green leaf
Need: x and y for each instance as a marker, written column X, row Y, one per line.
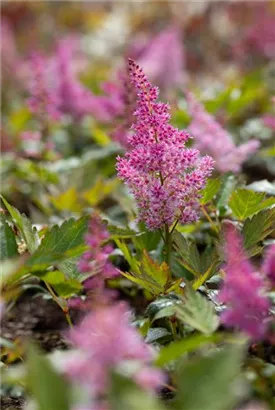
column 49, row 389
column 24, row 225
column 200, row 265
column 210, row 382
column 190, row 257
column 68, row 288
column 8, row 245
column 211, row 189
column 176, row 349
column 157, row 333
column 117, row 232
column 228, row 183
column 197, row 312
column 162, row 307
column 257, row 228
column 245, row 203
column 149, row 274
column 125, row 395
column 61, row 242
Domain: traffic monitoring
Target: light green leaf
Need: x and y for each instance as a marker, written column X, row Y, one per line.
column 48, row 388
column 8, row 245
column 68, row 288
column 125, row 395
column 211, row 189
column 197, row 312
column 257, row 228
column 210, row 382
column 245, row 203
column 149, row 274
column 176, row 349
column 24, row 225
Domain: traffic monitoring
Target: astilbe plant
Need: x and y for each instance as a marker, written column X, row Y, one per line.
column 243, row 290
column 211, row 138
column 95, row 261
column 44, row 101
column 105, row 340
column 164, row 176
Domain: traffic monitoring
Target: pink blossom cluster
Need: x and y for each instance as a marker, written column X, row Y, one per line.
column 164, row 176
column 163, row 59
column 74, row 98
column 96, row 259
column 244, row 289
column 105, row 340
column 44, row 100
column 211, row 138
column 260, row 36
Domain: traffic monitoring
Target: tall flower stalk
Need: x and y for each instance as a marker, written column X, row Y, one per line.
column 164, row 176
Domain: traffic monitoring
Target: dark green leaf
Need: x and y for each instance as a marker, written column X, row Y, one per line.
column 8, row 245
column 197, row 312
column 157, row 333
column 228, row 183
column 24, row 225
column 61, row 242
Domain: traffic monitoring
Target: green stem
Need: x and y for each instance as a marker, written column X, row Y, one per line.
column 65, row 310
column 168, row 244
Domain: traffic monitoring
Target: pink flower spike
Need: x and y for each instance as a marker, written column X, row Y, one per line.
column 212, row 139
column 105, row 340
column 164, row 176
column 243, row 290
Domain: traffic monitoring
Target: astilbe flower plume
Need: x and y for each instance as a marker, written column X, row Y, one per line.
column 96, row 259
column 44, row 101
column 163, row 59
column 243, row 290
column 105, row 340
column 164, row 176
column 75, row 100
column 211, row 138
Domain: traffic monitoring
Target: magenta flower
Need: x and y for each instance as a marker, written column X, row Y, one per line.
column 269, row 121
column 164, row 176
column 44, row 100
column 243, row 290
column 163, row 59
column 96, row 259
column 211, row 138
column 74, row 98
column 105, row 340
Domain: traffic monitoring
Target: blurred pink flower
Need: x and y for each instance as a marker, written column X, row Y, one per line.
column 163, row 59
column 164, row 176
column 243, row 290
column 211, row 138
column 104, row 340
column 269, row 121
column 74, row 98
column 44, row 101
